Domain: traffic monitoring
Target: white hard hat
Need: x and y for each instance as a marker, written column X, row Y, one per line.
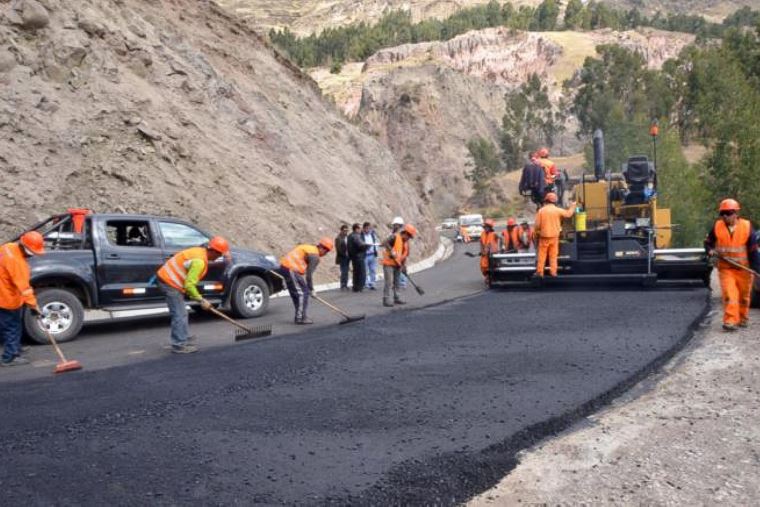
column 398, row 221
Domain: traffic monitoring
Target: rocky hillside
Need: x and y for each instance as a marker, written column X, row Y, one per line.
column 174, row 107
column 308, row 16
column 426, row 100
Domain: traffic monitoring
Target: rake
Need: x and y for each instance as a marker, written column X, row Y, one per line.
column 346, row 317
column 244, row 332
column 737, row 265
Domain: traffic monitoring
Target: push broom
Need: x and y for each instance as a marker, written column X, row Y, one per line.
column 64, row 365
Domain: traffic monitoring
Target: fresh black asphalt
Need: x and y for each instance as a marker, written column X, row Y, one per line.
column 414, row 407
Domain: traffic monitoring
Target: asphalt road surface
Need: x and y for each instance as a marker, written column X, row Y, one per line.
column 422, row 406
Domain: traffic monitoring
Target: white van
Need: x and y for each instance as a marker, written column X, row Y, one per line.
column 473, row 224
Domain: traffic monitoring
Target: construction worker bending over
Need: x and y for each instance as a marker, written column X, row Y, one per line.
column 511, row 237
column 394, row 262
column 489, row 243
column 178, row 278
column 16, row 291
column 733, row 241
column 547, row 230
column 297, row 267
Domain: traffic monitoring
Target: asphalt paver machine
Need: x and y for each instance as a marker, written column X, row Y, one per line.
column 619, row 233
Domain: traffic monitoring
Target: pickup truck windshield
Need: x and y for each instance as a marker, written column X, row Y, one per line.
column 181, row 236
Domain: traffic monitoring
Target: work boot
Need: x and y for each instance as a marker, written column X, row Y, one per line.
column 387, row 303
column 744, row 323
column 730, row 327
column 304, row 321
column 184, row 349
column 16, row 361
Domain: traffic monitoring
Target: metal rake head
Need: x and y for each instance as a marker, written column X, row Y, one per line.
column 255, row 332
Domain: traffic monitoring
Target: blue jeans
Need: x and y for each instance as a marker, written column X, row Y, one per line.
column 178, row 310
column 10, row 333
column 370, row 263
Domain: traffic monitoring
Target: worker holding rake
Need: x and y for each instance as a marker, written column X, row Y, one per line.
column 297, row 268
column 733, row 241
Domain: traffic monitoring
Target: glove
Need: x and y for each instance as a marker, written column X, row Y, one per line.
column 311, row 287
column 35, row 312
column 206, row 305
column 403, row 269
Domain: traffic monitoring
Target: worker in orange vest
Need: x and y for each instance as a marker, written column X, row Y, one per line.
column 550, row 169
column 16, row 292
column 297, row 267
column 464, row 234
column 395, row 255
column 734, row 239
column 526, row 236
column 489, row 244
column 178, row 278
column 548, row 227
column 511, row 237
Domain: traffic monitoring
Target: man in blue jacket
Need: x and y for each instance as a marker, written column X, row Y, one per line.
column 370, row 259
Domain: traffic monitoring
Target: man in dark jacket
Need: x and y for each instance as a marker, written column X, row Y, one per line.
column 357, row 249
column 341, row 256
column 532, row 181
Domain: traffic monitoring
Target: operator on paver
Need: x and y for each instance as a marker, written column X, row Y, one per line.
column 178, row 278
column 550, row 169
column 297, row 268
column 734, row 239
column 510, row 240
column 546, row 231
column 489, row 243
column 16, row 292
column 395, row 254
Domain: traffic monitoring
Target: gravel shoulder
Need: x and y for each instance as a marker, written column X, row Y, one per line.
column 686, row 436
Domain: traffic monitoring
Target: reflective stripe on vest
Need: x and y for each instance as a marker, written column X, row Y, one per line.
column 174, row 272
column 295, row 260
column 401, row 250
column 732, row 246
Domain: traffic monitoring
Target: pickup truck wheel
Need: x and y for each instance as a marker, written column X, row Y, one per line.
column 250, row 297
column 64, row 316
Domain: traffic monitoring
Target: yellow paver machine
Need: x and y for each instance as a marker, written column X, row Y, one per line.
column 618, row 233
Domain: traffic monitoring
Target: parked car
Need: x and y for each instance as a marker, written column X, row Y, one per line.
column 449, row 223
column 107, row 262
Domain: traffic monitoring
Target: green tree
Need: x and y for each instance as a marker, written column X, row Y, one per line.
column 484, row 164
column 547, row 15
column 574, row 15
column 528, row 122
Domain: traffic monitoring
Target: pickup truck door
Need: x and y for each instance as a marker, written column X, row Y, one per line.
column 128, row 255
column 178, row 236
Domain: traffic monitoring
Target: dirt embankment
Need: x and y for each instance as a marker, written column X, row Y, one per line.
column 175, row 107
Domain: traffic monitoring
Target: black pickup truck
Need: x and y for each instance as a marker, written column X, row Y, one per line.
column 107, row 262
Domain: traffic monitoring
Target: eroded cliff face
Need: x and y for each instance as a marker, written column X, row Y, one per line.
column 175, row 107
column 426, row 100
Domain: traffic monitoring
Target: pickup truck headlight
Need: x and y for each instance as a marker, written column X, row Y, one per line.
column 271, row 258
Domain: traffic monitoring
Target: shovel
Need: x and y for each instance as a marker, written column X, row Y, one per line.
column 346, row 317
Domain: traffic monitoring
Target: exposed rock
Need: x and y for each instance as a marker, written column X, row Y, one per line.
column 149, row 133
column 7, row 61
column 32, row 14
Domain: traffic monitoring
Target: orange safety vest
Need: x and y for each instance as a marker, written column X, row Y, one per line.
column 400, row 248
column 489, row 242
column 512, row 238
column 14, row 279
column 550, row 170
column 732, row 246
column 295, row 260
column 174, row 272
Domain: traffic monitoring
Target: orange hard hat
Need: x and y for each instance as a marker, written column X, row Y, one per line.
column 511, row 222
column 550, row 197
column 543, row 152
column 410, row 230
column 219, row 244
column 33, row 242
column 729, row 205
column 326, row 243
column 490, row 222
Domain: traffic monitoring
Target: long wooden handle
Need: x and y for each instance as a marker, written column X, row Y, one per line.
column 331, row 306
column 736, row 264
column 230, row 320
column 53, row 342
